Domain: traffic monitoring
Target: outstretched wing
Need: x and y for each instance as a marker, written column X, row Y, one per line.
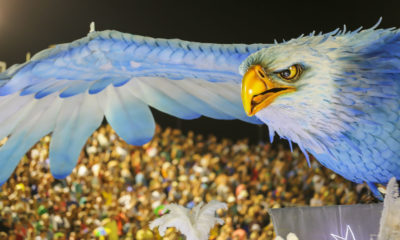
column 67, row 90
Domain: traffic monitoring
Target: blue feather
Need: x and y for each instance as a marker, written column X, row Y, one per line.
column 290, row 145
column 14, row 150
column 271, row 134
column 75, row 89
column 130, row 117
column 77, row 120
column 35, row 122
column 145, row 90
column 34, row 88
column 100, row 85
column 375, row 191
column 305, row 155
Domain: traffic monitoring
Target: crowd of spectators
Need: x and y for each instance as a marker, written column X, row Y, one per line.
column 116, row 189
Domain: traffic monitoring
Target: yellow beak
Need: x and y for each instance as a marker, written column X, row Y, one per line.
column 259, row 91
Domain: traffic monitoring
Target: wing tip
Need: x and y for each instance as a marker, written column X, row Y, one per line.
column 139, row 141
column 4, row 91
column 61, row 164
column 61, row 172
column 2, row 182
column 60, row 176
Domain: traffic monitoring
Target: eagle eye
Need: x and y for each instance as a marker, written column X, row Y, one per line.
column 292, row 73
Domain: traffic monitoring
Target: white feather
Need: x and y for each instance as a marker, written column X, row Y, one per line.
column 390, row 220
column 290, row 236
column 195, row 224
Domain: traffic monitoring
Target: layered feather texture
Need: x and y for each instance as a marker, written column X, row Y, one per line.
column 345, row 110
column 68, row 89
column 195, row 224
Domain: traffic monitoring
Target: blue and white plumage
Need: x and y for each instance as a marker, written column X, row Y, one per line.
column 68, row 89
column 344, row 110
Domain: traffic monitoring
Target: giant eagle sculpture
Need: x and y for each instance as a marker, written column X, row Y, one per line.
column 337, row 95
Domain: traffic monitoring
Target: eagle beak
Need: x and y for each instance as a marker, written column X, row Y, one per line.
column 259, row 91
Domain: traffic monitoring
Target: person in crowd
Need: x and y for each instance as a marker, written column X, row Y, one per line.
column 117, row 189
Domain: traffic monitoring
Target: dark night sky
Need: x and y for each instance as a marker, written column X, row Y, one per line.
column 32, row 25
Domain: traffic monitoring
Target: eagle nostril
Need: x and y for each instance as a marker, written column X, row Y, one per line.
column 261, row 74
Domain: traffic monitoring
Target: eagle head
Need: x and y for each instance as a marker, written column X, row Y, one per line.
column 336, row 95
column 289, row 87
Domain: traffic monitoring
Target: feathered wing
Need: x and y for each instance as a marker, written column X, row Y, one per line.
column 390, row 220
column 68, row 89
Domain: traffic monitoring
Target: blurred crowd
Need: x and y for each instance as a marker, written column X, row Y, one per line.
column 116, row 189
